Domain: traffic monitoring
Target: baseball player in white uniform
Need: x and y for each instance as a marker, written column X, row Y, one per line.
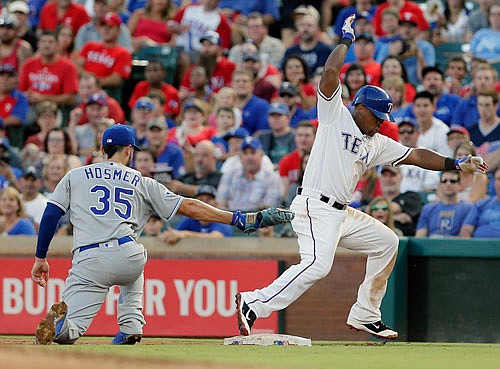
column 108, row 205
column 346, row 145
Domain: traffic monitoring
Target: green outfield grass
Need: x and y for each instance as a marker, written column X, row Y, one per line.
column 327, row 355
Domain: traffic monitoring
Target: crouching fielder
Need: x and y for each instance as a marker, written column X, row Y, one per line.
column 346, row 145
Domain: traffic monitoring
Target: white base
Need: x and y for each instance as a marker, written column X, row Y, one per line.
column 268, row 339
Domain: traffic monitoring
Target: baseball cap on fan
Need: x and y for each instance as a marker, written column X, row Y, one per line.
column 18, row 6
column 121, row 135
column 211, row 36
column 97, row 99
column 111, row 19
column 251, row 142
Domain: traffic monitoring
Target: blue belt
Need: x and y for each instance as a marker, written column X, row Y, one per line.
column 94, row 245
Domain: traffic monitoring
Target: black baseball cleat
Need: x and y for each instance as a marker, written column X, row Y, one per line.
column 377, row 329
column 246, row 317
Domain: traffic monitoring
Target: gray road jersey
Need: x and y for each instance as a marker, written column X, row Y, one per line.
column 109, row 200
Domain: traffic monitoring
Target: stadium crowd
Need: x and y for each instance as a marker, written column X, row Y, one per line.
column 222, row 97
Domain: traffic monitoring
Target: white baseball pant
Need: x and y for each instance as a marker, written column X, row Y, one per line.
column 320, row 228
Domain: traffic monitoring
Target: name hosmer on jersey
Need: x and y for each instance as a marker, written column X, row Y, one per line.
column 117, row 174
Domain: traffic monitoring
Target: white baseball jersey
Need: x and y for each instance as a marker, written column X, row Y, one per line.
column 109, row 200
column 341, row 153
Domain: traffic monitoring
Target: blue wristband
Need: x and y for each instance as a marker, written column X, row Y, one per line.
column 239, row 220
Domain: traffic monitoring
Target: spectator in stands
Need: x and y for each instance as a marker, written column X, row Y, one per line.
column 355, row 78
column 380, row 208
column 141, row 114
column 487, row 129
column 414, row 178
column 204, row 173
column 393, row 66
column 25, row 30
column 149, row 26
column 289, row 95
column 484, row 43
column 225, row 98
column 309, row 48
column 193, row 20
column 10, row 166
column 55, row 167
column 445, row 217
column 456, row 135
column 108, row 60
column 358, row 7
column 191, row 129
column 406, row 206
column 225, row 123
column 482, row 221
column 12, row 217
column 84, row 137
column 290, row 188
column 254, row 109
column 153, row 226
column 432, row 130
column 13, row 106
column 48, row 76
column 484, row 78
column 59, row 12
column 89, row 85
column 364, row 50
column 34, row 202
column 191, row 228
column 433, row 81
column 199, row 86
column 473, row 185
column 13, row 50
column 297, row 72
column 145, row 162
column 91, row 31
column 65, row 41
column 366, row 189
column 58, row 142
column 234, row 139
column 279, row 140
column 46, row 119
column 453, row 23
column 218, row 68
column 154, row 74
column 478, row 18
column 267, row 77
column 258, row 188
column 456, row 72
column 271, row 50
column 395, row 87
column 390, row 26
column 166, row 153
column 403, row 6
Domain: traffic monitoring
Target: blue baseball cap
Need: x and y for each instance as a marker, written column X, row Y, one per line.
column 279, row 108
column 97, row 99
column 408, row 120
column 144, row 103
column 238, row 132
column 120, row 134
column 251, row 142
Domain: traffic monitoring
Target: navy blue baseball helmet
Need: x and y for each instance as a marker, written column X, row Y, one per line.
column 376, row 100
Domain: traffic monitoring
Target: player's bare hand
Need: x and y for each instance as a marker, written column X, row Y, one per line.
column 472, row 164
column 347, row 30
column 40, row 272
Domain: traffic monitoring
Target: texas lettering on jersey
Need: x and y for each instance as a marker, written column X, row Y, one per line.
column 353, row 144
column 43, row 80
column 101, row 58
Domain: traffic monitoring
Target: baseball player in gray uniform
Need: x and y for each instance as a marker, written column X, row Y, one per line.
column 346, row 146
column 108, row 205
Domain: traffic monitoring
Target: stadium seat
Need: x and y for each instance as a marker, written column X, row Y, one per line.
column 165, row 54
column 447, row 50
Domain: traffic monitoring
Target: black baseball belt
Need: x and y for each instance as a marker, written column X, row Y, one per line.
column 323, row 198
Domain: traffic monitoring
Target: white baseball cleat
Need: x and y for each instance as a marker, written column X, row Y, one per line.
column 377, row 329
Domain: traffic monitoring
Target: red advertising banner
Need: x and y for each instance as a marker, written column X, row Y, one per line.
column 181, row 297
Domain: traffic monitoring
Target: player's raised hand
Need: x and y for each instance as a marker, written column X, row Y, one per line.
column 471, row 164
column 40, row 272
column 347, row 30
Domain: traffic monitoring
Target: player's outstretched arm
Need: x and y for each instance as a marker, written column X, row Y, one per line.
column 248, row 222
column 428, row 159
column 330, row 78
